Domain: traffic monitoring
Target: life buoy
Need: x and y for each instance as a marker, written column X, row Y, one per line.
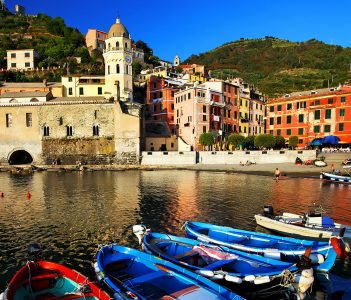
column 341, row 248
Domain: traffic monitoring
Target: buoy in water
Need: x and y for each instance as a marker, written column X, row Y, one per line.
column 28, row 195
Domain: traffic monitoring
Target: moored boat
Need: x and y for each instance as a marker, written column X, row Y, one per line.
column 222, row 263
column 268, row 245
column 138, row 275
column 336, row 178
column 314, row 224
column 44, row 280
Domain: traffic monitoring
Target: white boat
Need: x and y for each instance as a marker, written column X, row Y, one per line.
column 314, row 224
column 338, row 177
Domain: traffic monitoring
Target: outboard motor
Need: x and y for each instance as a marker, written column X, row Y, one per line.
column 268, row 211
column 139, row 231
column 34, row 252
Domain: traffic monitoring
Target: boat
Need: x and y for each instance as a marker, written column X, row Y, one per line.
column 268, row 245
column 43, row 280
column 314, row 224
column 337, row 177
column 222, row 263
column 138, row 275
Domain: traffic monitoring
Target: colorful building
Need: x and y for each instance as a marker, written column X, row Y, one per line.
column 23, row 59
column 311, row 114
column 257, row 112
column 95, row 40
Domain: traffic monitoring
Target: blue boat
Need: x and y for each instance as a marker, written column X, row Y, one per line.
column 133, row 274
column 219, row 262
column 270, row 246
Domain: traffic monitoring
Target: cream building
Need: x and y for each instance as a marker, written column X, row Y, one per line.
column 94, row 121
column 21, row 59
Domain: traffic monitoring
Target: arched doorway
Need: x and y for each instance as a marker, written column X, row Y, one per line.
column 20, row 157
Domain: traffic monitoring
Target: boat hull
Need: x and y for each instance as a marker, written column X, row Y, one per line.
column 46, row 280
column 270, row 246
column 329, row 177
column 132, row 272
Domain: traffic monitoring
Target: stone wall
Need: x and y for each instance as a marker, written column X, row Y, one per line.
column 91, row 150
column 168, row 158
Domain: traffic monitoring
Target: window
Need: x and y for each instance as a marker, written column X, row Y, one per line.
column 328, row 113
column 13, row 65
column 279, row 132
column 70, row 91
column 330, row 101
column 46, row 130
column 69, row 130
column 341, row 126
column 289, row 106
column 279, row 120
column 26, row 54
column 279, row 108
column 235, row 114
column 342, row 112
column 172, row 106
column 288, row 119
column 317, row 102
column 271, row 108
column 342, row 99
column 300, row 131
column 300, row 141
column 326, row 128
column 204, row 129
column 108, row 70
column 117, row 45
column 317, row 114
column 301, row 118
column 117, row 69
column 203, row 117
column 29, row 119
column 204, row 108
column 316, row 129
column 271, row 132
column 99, row 90
column 81, row 91
column 13, row 55
column 69, row 79
column 95, row 114
column 96, row 130
column 126, row 45
column 27, row 64
column 288, row 132
column 271, row 121
column 8, row 120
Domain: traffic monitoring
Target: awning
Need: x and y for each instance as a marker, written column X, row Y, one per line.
column 331, row 139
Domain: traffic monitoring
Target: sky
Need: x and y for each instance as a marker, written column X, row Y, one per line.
column 186, row 27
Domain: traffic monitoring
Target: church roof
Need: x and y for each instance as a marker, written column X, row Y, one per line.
column 118, row 29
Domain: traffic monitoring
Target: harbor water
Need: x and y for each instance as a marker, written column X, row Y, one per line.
column 71, row 213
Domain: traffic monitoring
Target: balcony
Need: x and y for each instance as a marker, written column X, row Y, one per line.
column 117, row 49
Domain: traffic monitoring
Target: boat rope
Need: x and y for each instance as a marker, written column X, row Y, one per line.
column 183, row 227
column 287, row 278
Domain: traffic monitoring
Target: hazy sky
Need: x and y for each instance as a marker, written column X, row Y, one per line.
column 191, row 27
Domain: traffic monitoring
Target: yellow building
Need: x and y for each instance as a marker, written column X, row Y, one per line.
column 244, row 109
column 83, row 86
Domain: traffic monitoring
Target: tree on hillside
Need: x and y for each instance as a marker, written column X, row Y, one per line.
column 264, row 141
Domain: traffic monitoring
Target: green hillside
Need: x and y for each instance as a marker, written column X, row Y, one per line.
column 278, row 66
column 56, row 43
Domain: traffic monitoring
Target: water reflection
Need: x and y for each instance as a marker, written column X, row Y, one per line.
column 70, row 214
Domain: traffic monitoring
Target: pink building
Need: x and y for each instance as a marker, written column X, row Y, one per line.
column 199, row 109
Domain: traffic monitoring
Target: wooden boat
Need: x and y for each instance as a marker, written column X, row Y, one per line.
column 313, row 224
column 268, row 245
column 43, row 280
column 219, row 263
column 138, row 275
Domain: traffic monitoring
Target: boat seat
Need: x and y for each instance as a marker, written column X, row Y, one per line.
column 143, row 278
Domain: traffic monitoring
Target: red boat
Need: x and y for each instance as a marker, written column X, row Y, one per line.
column 39, row 280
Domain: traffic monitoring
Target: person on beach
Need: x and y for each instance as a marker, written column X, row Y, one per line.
column 332, row 169
column 276, row 174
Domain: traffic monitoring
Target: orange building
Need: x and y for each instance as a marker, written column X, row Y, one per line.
column 95, row 40
column 311, row 114
column 160, row 101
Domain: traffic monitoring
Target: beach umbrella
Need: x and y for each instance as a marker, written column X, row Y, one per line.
column 316, row 143
column 331, row 139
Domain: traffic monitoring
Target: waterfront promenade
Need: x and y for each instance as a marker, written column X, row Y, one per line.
column 267, row 169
